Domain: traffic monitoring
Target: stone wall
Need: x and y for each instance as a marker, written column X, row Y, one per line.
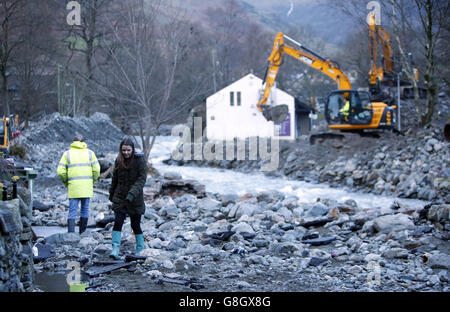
column 16, row 256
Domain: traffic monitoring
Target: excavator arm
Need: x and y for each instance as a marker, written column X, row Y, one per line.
column 378, row 34
column 305, row 56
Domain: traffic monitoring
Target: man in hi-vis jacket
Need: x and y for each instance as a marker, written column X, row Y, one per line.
column 78, row 169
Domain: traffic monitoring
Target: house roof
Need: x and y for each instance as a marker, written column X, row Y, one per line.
column 249, row 77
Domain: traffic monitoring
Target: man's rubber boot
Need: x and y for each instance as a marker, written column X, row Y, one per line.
column 70, row 225
column 83, row 224
column 139, row 243
column 116, row 236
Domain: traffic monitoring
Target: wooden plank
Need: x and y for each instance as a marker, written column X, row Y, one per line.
column 172, row 281
column 94, row 271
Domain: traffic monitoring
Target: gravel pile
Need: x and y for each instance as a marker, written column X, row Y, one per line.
column 48, row 138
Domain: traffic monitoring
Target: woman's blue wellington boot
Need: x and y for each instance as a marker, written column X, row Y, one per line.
column 139, row 243
column 116, row 236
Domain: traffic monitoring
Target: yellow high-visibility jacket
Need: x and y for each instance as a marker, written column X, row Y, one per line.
column 345, row 109
column 78, row 169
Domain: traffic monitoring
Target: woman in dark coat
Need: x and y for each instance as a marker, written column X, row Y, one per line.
column 126, row 194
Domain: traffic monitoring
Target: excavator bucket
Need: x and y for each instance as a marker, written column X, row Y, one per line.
column 277, row 114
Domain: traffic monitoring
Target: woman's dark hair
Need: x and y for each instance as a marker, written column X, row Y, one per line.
column 125, row 163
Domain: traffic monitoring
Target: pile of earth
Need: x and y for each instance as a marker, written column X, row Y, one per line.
column 45, row 140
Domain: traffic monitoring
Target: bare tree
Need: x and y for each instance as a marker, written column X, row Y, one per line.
column 354, row 56
column 228, row 26
column 433, row 16
column 11, row 23
column 406, row 64
column 33, row 64
column 256, row 45
column 443, row 70
column 149, row 58
column 85, row 41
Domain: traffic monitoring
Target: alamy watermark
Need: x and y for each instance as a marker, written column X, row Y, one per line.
column 74, row 276
column 265, row 149
column 374, row 16
column 74, row 16
column 413, row 262
column 374, row 275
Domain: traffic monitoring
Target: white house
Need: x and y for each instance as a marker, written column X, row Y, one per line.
column 232, row 112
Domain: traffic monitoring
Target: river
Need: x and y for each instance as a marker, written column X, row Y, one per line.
column 224, row 181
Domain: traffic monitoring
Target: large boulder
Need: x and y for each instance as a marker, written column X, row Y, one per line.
column 172, row 176
column 317, row 210
column 228, row 199
column 439, row 213
column 439, row 261
column 270, row 196
column 209, row 205
column 393, row 223
column 243, row 208
column 63, row 238
column 243, row 227
column 170, row 211
column 10, row 217
column 285, row 249
column 395, row 253
column 163, row 202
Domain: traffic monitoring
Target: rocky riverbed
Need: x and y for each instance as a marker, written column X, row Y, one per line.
column 261, row 241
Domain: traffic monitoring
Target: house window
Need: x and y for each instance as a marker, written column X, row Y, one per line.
column 231, row 98
column 238, row 94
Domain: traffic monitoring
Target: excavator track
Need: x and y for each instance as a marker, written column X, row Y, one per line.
column 322, row 137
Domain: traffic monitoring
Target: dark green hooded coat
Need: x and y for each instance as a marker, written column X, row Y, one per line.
column 129, row 181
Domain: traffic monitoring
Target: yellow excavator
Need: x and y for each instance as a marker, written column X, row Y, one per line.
column 346, row 109
column 383, row 76
column 8, row 131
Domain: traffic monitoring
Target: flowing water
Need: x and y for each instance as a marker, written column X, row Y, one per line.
column 226, row 181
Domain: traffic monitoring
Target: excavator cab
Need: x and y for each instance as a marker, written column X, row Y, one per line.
column 358, row 112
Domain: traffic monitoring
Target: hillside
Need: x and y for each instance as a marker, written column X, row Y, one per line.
column 317, row 17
